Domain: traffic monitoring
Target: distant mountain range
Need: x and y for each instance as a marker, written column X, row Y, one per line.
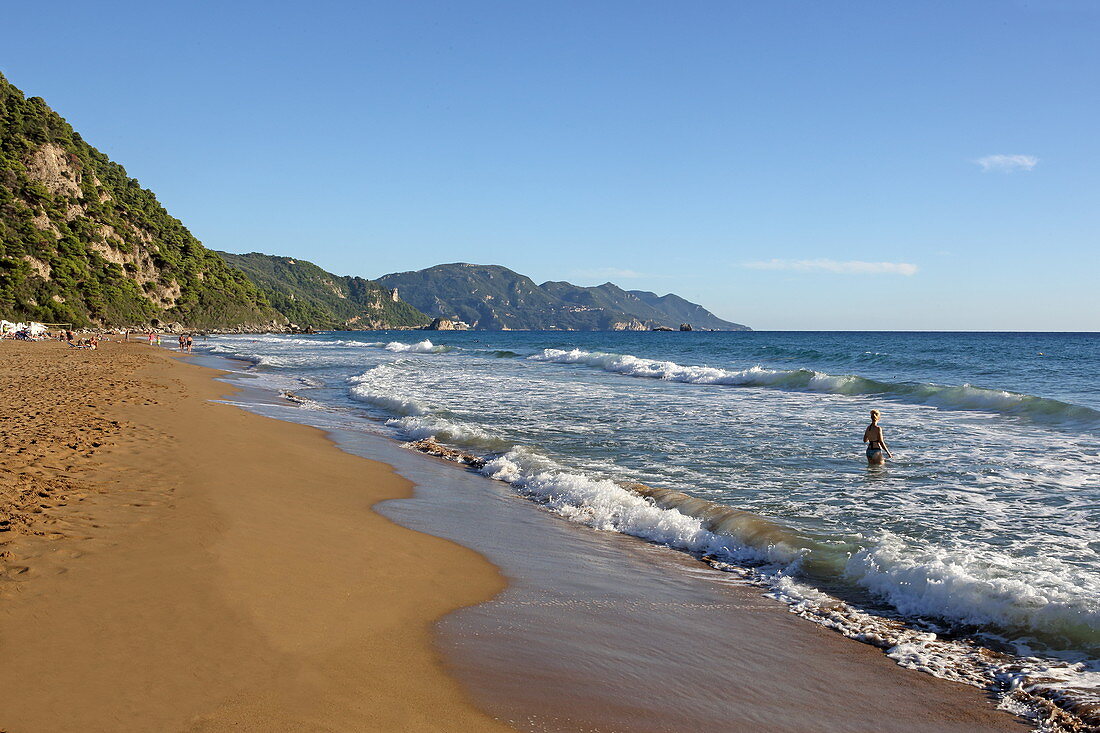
column 81, row 242
column 491, row 297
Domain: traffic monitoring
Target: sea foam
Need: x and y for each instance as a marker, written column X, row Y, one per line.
column 1043, row 597
column 961, row 397
column 375, row 387
column 421, row 347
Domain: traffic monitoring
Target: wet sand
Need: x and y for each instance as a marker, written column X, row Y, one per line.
column 170, row 563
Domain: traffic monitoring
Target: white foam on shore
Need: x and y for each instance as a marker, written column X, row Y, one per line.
column 981, row 588
column 604, row 504
column 1025, row 685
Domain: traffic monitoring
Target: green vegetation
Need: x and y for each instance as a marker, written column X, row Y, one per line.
column 310, row 296
column 664, row 310
column 487, row 297
column 490, row 297
column 82, row 242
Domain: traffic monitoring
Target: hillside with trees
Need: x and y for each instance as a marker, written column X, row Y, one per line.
column 491, row 297
column 310, row 296
column 83, row 242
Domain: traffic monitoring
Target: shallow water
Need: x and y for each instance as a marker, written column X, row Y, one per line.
column 985, row 526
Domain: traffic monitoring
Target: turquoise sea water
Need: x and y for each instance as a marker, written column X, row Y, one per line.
column 984, row 531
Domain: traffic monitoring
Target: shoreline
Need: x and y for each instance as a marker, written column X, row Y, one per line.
column 172, row 563
column 590, row 620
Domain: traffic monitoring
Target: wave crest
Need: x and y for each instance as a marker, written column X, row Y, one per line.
column 962, row 397
column 421, row 347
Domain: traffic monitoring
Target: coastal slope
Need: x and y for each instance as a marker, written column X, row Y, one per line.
column 82, row 242
column 173, row 563
column 650, row 308
column 311, row 296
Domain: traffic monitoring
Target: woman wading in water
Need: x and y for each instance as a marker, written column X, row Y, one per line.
column 876, row 446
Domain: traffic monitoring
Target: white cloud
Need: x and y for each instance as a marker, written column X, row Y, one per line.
column 1007, row 163
column 848, row 267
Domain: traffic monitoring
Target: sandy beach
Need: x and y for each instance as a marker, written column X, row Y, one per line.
column 170, row 563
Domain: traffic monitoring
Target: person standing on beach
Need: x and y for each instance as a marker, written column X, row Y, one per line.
column 876, row 446
column 182, row 342
column 188, row 343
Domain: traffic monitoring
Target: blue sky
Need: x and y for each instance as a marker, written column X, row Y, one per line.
column 789, row 165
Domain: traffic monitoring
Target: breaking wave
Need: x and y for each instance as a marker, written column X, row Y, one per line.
column 419, row 427
column 421, row 347
column 608, row 505
column 962, row 397
column 369, row 387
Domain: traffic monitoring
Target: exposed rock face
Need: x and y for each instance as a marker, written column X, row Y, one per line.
column 40, row 268
column 432, row 448
column 632, row 325
column 441, row 324
column 60, row 174
column 685, row 327
column 50, row 165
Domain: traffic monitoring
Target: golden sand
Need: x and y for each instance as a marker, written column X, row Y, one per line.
column 171, row 563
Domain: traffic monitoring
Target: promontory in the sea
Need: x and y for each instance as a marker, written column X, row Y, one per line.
column 492, row 297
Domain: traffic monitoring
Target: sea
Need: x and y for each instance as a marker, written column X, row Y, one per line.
column 972, row 555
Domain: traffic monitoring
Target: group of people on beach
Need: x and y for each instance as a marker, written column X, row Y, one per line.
column 90, row 342
column 66, row 335
column 185, row 341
